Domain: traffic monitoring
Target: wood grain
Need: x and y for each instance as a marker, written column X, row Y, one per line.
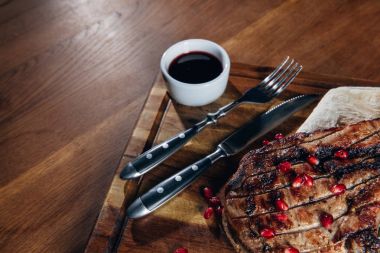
column 74, row 76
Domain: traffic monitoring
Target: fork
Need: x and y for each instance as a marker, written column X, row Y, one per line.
column 265, row 91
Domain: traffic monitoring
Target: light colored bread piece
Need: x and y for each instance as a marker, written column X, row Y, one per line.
column 343, row 106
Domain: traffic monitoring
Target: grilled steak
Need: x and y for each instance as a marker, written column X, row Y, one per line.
column 309, row 192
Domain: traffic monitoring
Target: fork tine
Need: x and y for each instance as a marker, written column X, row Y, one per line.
column 283, row 78
column 268, row 87
column 288, row 82
column 274, row 72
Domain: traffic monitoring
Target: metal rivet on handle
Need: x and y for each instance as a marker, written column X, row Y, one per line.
column 160, row 190
column 178, row 178
column 182, row 135
column 165, row 145
column 149, row 156
column 194, row 167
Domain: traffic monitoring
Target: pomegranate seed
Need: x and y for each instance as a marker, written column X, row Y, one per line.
column 341, row 154
column 207, row 192
column 309, row 181
column 291, row 250
column 181, row 250
column 208, row 213
column 281, row 205
column 267, row 233
column 214, row 201
column 266, row 142
column 281, row 217
column 298, row 181
column 326, row 220
column 338, row 189
column 219, row 210
column 279, row 136
column 284, row 167
column 313, row 160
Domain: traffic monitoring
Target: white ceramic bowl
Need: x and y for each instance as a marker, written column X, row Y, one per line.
column 195, row 94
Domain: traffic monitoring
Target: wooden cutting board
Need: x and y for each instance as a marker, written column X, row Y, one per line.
column 181, row 222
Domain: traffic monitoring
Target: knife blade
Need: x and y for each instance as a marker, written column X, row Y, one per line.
column 263, row 123
column 237, row 141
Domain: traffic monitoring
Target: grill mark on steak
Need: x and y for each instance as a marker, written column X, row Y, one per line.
column 365, row 239
column 365, row 214
column 263, row 203
column 296, row 139
column 343, row 172
column 344, row 227
column 303, row 219
column 317, row 235
column 242, row 234
column 305, row 211
column 303, row 138
column 298, row 154
column 363, row 234
column 253, row 184
column 247, row 159
column 346, row 137
column 361, row 241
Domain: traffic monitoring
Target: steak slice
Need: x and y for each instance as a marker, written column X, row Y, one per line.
column 251, row 194
column 265, row 159
column 264, row 203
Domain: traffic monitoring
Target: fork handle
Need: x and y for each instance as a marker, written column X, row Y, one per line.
column 157, row 154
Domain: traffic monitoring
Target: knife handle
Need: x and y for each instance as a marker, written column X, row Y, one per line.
column 154, row 156
column 170, row 187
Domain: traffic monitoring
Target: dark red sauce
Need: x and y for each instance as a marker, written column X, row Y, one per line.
column 195, row 67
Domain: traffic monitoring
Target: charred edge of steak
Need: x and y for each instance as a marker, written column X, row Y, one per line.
column 234, row 237
column 282, row 144
column 366, row 215
column 260, row 163
column 326, row 151
column 296, row 154
column 236, row 180
column 265, row 181
column 326, row 154
column 299, row 138
column 367, row 239
column 358, row 152
column 363, row 195
column 354, row 167
column 251, row 206
column 267, row 248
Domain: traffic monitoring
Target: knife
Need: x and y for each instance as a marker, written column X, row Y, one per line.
column 233, row 144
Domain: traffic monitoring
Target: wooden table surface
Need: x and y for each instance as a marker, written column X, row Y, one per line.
column 74, row 76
